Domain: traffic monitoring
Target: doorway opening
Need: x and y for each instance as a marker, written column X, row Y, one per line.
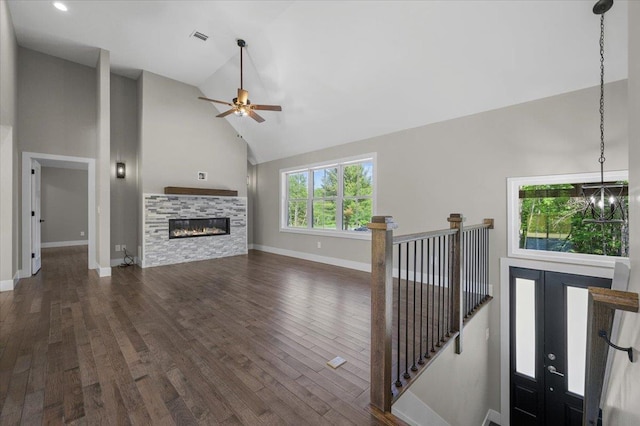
column 30, row 210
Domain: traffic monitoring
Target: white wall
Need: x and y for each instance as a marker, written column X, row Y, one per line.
column 621, row 405
column 104, row 171
column 461, row 166
column 181, row 136
column 464, row 400
column 124, row 147
column 64, row 205
column 9, row 213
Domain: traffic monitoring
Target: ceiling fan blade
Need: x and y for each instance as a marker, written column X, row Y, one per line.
column 243, row 96
column 224, row 114
column 267, row 107
column 214, row 100
column 255, row 116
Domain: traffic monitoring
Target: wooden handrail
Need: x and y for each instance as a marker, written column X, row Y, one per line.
column 602, row 305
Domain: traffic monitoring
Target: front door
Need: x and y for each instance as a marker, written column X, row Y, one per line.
column 548, row 316
column 36, row 221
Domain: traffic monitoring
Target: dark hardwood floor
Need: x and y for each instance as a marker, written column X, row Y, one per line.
column 238, row 340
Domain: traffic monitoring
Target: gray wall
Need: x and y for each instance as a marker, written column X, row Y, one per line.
column 9, row 212
column 621, row 403
column 56, row 105
column 181, row 136
column 124, row 147
column 461, row 165
column 63, row 202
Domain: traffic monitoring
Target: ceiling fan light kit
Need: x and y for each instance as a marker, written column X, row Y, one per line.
column 241, row 105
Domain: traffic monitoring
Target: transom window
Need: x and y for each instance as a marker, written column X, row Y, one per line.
column 336, row 196
column 547, row 213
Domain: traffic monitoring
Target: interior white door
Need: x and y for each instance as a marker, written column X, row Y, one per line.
column 35, row 217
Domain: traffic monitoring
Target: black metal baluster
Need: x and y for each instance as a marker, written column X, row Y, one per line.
column 450, row 281
column 433, row 294
column 443, row 266
column 477, row 260
column 414, row 367
column 483, row 267
column 475, row 271
column 429, row 280
column 440, row 292
column 421, row 359
column 486, row 262
column 398, row 382
column 469, row 266
column 406, row 316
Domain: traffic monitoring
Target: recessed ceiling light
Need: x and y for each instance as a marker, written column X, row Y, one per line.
column 60, row 6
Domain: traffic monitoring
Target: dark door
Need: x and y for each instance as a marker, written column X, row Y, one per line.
column 548, row 312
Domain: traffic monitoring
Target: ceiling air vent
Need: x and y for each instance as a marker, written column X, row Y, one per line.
column 199, row 35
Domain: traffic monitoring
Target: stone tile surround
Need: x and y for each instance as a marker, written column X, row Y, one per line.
column 158, row 250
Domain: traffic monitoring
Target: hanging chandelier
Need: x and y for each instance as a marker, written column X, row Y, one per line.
column 604, row 201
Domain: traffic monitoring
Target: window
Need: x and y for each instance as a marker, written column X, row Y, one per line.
column 329, row 197
column 546, row 220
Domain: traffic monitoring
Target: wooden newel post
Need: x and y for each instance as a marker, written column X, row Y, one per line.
column 602, row 304
column 381, row 310
column 455, row 222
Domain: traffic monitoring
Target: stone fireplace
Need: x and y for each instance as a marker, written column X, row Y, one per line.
column 186, row 228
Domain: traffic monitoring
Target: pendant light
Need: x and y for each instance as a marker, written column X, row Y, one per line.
column 604, row 201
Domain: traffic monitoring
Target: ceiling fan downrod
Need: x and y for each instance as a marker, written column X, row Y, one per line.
column 242, row 44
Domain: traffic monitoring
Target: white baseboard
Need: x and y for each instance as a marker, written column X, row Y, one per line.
column 103, row 272
column 359, row 266
column 492, row 416
column 65, row 243
column 415, row 412
column 6, row 285
column 10, row 285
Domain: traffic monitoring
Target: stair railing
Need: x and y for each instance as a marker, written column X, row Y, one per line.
column 423, row 287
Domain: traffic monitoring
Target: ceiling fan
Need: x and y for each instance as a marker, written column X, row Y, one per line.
column 241, row 105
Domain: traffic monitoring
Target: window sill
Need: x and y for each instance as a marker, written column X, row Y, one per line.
column 353, row 235
column 569, row 258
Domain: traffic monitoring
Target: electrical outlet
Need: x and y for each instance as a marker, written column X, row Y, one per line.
column 123, row 247
column 319, row 244
column 117, row 247
column 82, row 233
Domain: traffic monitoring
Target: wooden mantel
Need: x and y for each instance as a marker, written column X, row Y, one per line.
column 179, row 190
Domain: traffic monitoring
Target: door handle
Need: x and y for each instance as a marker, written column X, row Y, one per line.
column 41, row 220
column 553, row 370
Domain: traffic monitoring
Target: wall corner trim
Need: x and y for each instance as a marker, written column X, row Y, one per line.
column 492, row 416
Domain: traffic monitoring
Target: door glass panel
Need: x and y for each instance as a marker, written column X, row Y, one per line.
column 576, row 338
column 526, row 327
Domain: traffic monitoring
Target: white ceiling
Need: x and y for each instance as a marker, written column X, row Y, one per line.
column 342, row 70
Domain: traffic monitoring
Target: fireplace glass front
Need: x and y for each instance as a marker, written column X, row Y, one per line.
column 188, row 228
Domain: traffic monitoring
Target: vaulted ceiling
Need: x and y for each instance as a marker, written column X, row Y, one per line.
column 342, row 70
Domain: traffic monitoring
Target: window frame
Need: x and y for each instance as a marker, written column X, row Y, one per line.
column 513, row 219
column 339, row 198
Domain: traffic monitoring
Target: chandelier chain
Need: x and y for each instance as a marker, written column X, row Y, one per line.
column 602, row 158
